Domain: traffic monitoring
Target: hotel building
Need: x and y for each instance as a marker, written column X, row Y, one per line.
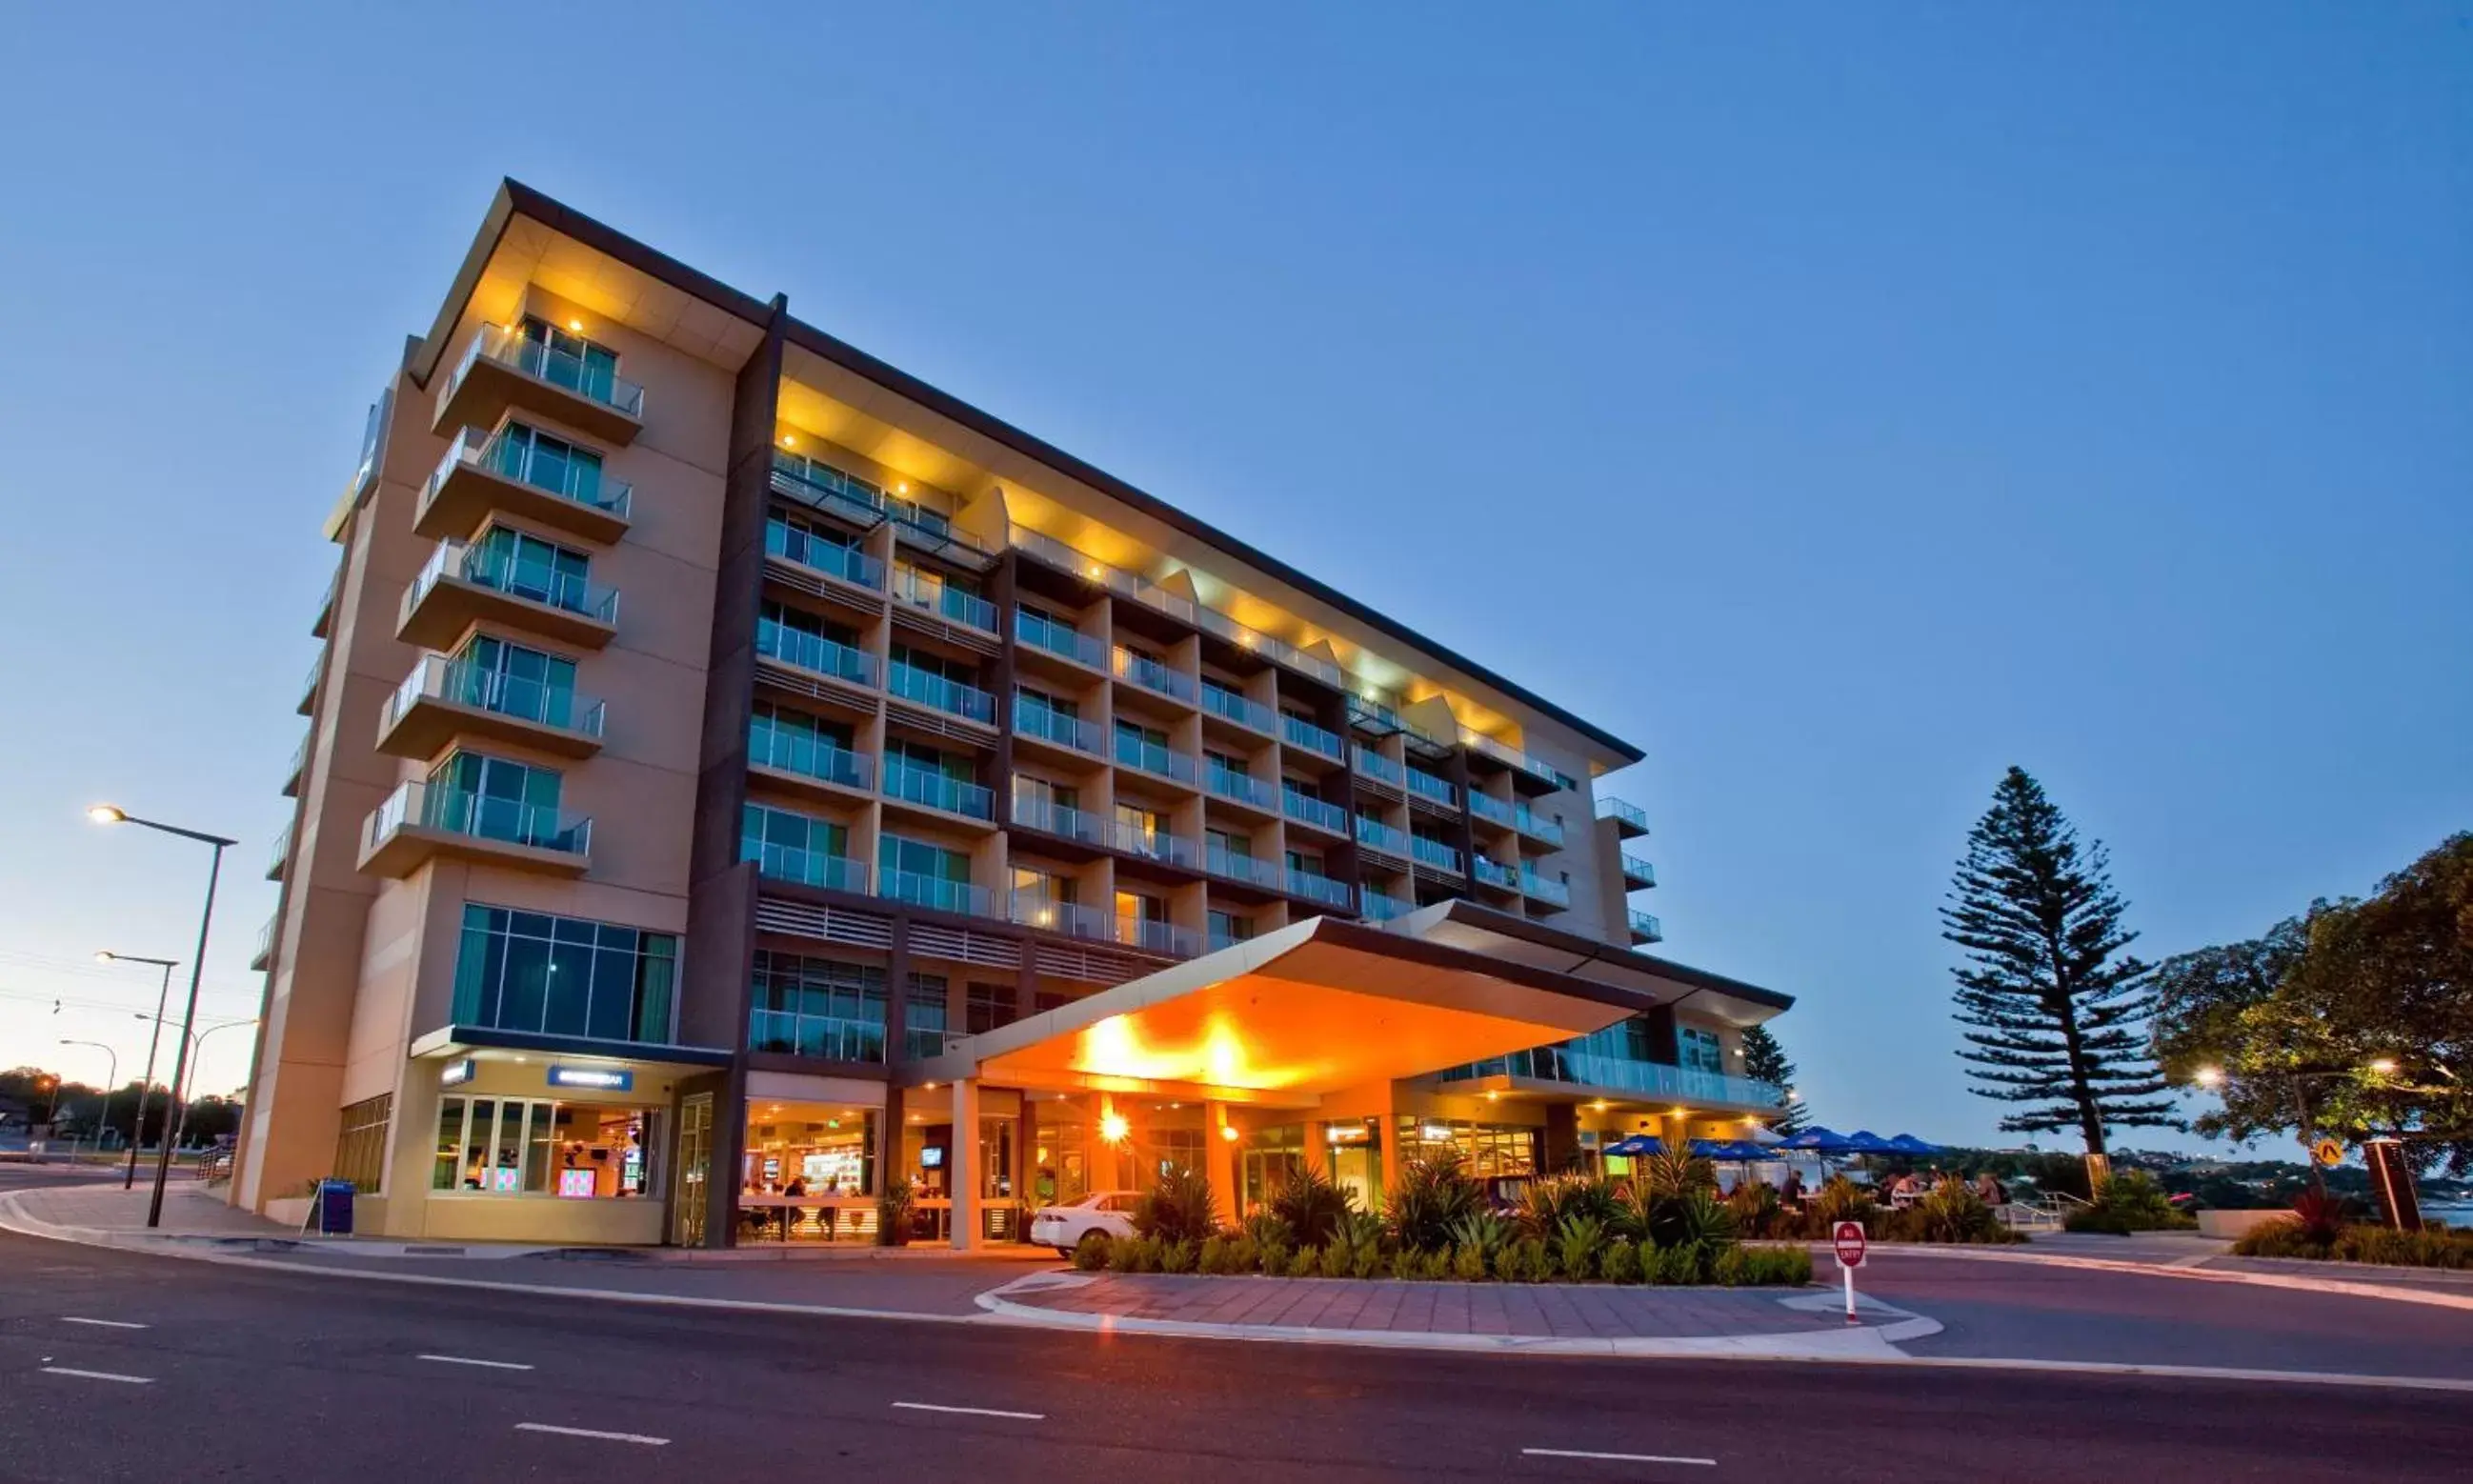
column 738, row 775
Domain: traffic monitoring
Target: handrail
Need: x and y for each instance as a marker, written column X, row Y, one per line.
column 813, row 652
column 563, row 369
column 1243, row 711
column 941, row 692
column 1229, row 784
column 487, row 567
column 1055, row 639
column 1321, row 813
column 1151, row 595
column 930, row 789
column 464, row 812
column 463, row 682
column 1153, row 676
column 513, row 460
column 942, row 599
column 805, row 549
column 1033, row 718
column 808, row 868
column 783, row 748
column 1297, row 732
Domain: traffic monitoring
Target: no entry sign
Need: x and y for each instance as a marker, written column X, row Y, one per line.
column 1846, row 1238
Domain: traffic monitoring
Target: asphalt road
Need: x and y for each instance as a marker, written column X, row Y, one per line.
column 241, row 1373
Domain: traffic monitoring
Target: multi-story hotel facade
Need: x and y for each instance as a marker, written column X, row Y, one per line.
column 731, row 763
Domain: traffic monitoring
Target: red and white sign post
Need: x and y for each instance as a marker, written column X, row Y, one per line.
column 1846, row 1241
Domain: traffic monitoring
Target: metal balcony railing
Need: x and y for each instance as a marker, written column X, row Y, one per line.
column 1150, row 757
column 1375, row 835
column 584, row 378
column 464, row 683
column 936, row 893
column 817, row 554
column 814, row 653
column 498, row 569
column 1037, row 719
column 1153, row 936
column 942, row 599
column 1544, row 888
column 939, row 693
column 1055, row 639
column 1220, row 700
column 1320, row 813
column 807, row 868
column 1245, row 788
column 1314, row 886
column 1425, row 785
column 1630, row 816
column 1031, row 909
column 1153, row 676
column 1238, row 866
column 791, row 750
column 520, row 460
column 461, row 812
column 1297, row 732
column 1374, row 765
column 1436, row 854
column 930, row 789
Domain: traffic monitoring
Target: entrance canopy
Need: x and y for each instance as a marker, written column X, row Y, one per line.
column 1285, row 1017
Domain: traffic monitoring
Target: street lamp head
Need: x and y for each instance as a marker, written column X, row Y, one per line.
column 2209, row 1077
column 103, row 955
column 107, row 814
column 2384, row 1066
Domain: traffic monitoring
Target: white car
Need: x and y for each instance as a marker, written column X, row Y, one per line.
column 1064, row 1226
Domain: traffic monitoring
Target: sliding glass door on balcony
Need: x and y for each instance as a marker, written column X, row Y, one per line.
column 494, row 798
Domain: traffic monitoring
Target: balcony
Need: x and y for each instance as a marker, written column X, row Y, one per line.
column 1031, row 812
column 785, row 542
column 324, row 620
column 1238, row 866
column 463, row 586
column 1227, row 705
column 808, row 760
column 1537, row 888
column 815, row 654
column 262, row 957
column 1378, row 769
column 1314, row 886
column 1041, row 723
column 1383, row 906
column 1154, row 677
column 1156, row 845
column 483, row 474
column 1317, row 813
column 937, row 693
column 1297, row 732
column 1658, row 1081
column 1032, row 910
column 1152, row 935
column 1536, row 827
column 443, row 700
column 936, row 894
column 1646, row 928
column 1435, row 856
column 942, row 599
column 1054, row 638
column 1630, row 821
column 855, row 503
column 1638, row 875
column 280, row 857
column 1492, row 810
column 1381, row 839
column 297, row 771
column 503, row 370
column 1164, row 762
column 807, row 868
column 421, row 822
column 1532, row 773
column 309, row 686
column 1240, row 787
column 1494, row 874
column 1431, row 789
column 1090, row 569
column 932, row 790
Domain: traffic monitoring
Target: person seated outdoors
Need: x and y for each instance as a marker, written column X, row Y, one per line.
column 1791, row 1194
column 1906, row 1189
column 1989, row 1190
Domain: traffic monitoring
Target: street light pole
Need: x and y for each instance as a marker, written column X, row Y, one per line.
column 153, row 1040
column 198, row 1054
column 110, row 1080
column 107, row 814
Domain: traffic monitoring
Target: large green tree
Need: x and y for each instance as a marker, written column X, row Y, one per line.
column 2356, row 1019
column 2056, row 1012
column 1766, row 1060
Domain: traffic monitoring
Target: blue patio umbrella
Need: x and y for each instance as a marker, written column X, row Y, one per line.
column 1907, row 1144
column 1748, row 1151
column 1817, row 1140
column 1634, row 1145
column 1866, row 1141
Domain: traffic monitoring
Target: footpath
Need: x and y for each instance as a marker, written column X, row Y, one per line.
column 2143, row 1310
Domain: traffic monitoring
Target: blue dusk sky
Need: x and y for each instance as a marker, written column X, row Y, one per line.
column 1842, row 402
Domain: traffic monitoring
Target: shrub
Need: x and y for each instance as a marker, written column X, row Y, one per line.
column 1431, row 1267
column 1303, row 1262
column 1839, row 1200
column 1311, row 1207
column 1243, row 1256
column 1093, row 1252
column 1697, row 1220
column 1730, row 1267
column 1368, row 1262
column 1953, row 1212
column 1756, row 1209
column 1274, row 1258
column 1676, row 1265
column 1620, row 1264
column 1134, row 1255
column 1179, row 1257
column 1549, row 1204
column 1213, row 1258
column 1673, row 1172
column 1523, row 1262
column 1468, row 1262
column 2319, row 1216
column 2433, row 1247
column 1179, row 1208
column 893, row 1212
column 1332, row 1261
column 1575, row 1246
column 2131, row 1202
column 1786, row 1265
column 1484, row 1231
column 1435, row 1194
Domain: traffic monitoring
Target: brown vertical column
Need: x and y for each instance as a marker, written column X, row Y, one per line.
column 1344, row 863
column 1562, row 1136
column 1000, row 592
column 1466, row 835
column 721, row 888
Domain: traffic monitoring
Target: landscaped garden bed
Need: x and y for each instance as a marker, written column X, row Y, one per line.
column 2320, row 1228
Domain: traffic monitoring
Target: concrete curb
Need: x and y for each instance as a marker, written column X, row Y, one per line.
column 2293, row 1282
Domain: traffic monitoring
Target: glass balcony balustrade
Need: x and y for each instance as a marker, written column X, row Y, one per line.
column 1630, row 818
column 519, row 461
column 1375, row 835
column 502, row 572
column 1493, row 810
column 1033, row 718
column 798, row 648
column 1055, row 639
column 1152, row 676
column 1090, row 568
column 1229, row 784
column 593, row 380
column 1494, row 873
column 1150, row 757
column 1031, row 812
column 1535, row 826
column 1031, row 909
column 939, row 693
column 1660, row 1081
column 459, row 811
column 1238, row 866
column 1220, row 700
column 807, row 868
column 1382, row 770
column 1297, row 732
column 935, row 893
column 813, row 552
column 1153, row 936
column 1306, row 809
column 942, row 599
column 933, row 790
column 1434, row 853
column 1314, row 886
column 1425, row 785
column 790, row 749
column 482, row 688
column 1545, row 888
column 1645, row 926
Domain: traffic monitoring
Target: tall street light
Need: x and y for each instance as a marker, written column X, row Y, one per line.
column 109, row 814
column 197, row 1057
column 146, row 1088
column 110, row 1080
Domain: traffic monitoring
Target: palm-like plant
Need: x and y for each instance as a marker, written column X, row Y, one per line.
column 1179, row 1208
column 1550, row 1202
column 1434, row 1194
column 1484, row 1233
column 1673, row 1172
column 1312, row 1206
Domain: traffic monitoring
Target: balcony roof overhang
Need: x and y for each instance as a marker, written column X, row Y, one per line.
column 1655, row 981
column 708, row 318
column 1310, row 1009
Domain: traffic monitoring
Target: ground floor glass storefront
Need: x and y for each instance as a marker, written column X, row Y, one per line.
column 516, row 1147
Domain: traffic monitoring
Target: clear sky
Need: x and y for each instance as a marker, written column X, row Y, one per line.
column 1842, row 402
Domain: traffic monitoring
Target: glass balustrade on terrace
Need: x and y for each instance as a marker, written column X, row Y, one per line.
column 1238, row 866
column 1659, row 1080
column 1425, row 785
column 1150, row 757
column 1033, row 910
column 935, row 691
column 1055, row 639
column 1220, row 700
column 1031, row 812
column 1383, row 906
column 458, row 812
column 1032, row 719
column 1434, row 853
column 1297, row 732
column 593, row 380
column 1375, row 835
column 1306, row 809
column 519, row 461
column 1494, row 873
column 1645, row 926
column 1055, row 553
column 807, row 868
column 933, row 790
column 826, row 490
column 1229, row 784
column 942, row 599
column 482, row 688
column 1314, row 886
column 935, row 893
column 1535, row 826
column 800, row 548
column 787, row 750
column 1151, row 843
column 1152, row 676
column 1157, row 937
column 1535, row 766
column 1486, row 807
column 1638, row 873
column 501, row 571
column 1545, row 888
column 1382, row 770
column 814, row 653
column 1630, row 818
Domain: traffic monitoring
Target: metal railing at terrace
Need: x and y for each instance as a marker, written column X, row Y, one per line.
column 587, row 379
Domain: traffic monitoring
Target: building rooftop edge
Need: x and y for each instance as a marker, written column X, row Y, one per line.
column 516, row 199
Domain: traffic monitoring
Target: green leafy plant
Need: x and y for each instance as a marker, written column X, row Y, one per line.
column 1134, row 1255
column 2131, row 1201
column 1525, row 1262
column 1483, row 1231
column 1673, row 1172
column 1576, row 1243
column 1269, row 1230
column 1336, row 1261
column 1787, row 1266
column 1180, row 1207
column 1732, row 1267
column 1094, row 1252
column 1620, row 1264
column 1953, row 1212
column 1555, row 1199
column 1214, row 1259
column 1179, row 1256
column 893, row 1212
column 1468, row 1262
column 1839, row 1200
column 1311, row 1207
column 1679, row 1266
column 1305, row 1262
column 1754, row 1204
column 1697, row 1220
column 1435, row 1194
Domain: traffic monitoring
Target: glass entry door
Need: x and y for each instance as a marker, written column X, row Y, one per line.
column 695, row 1167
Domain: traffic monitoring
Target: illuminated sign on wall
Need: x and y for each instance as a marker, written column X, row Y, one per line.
column 454, row 1074
column 599, row 1079
column 575, row 1185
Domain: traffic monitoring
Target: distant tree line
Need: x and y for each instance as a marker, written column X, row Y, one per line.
column 83, row 1111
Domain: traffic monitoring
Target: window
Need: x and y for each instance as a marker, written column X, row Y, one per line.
column 1701, row 1050
column 1037, row 796
column 987, row 1006
column 1134, row 908
column 494, row 675
column 1228, row 927
column 563, row 977
column 513, row 1146
column 794, row 846
column 919, row 858
column 360, row 1148
column 923, row 1017
column 816, row 1007
column 927, row 587
column 571, row 361
column 1144, row 826
column 1228, row 842
column 1043, row 1000
column 783, row 739
column 1138, row 737
column 546, row 462
column 813, row 544
column 1047, row 701
column 1306, row 861
column 1032, row 884
column 1221, row 762
column 476, row 794
column 529, row 568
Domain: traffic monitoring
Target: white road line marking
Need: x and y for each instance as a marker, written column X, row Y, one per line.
column 971, row 1411
column 99, row 1375
column 467, row 1360
column 101, row 1324
column 1619, row 1458
column 589, row 1432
